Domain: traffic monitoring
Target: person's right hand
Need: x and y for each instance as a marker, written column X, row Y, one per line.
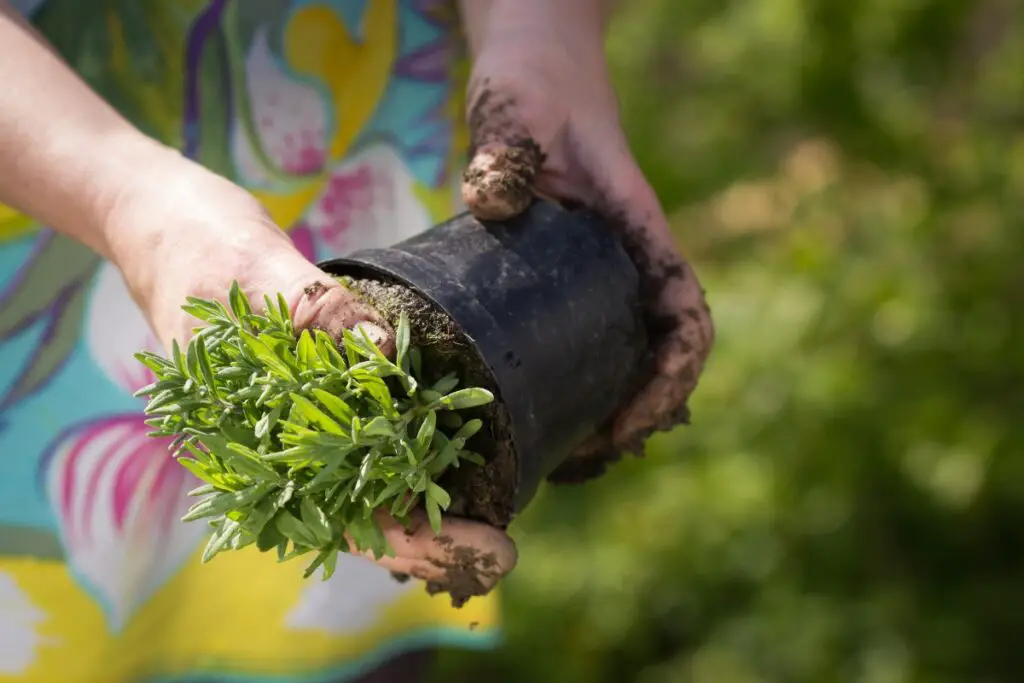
column 184, row 231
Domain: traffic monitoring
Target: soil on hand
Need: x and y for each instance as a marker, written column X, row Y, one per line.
column 463, row 575
column 593, row 457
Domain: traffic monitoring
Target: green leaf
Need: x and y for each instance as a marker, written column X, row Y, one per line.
column 240, row 306
column 393, row 488
column 263, row 353
column 325, row 474
column 446, row 383
column 179, row 360
column 438, row 495
column 306, row 352
column 201, row 309
column 314, row 415
column 379, row 426
column 220, row 539
column 270, row 537
column 285, row 495
column 416, row 362
column 364, row 345
column 378, row 390
column 327, row 558
column 222, row 502
column 466, row 398
column 158, row 365
column 425, row 435
column 316, row 521
column 330, row 562
column 328, row 352
column 195, row 467
column 403, row 337
column 335, row 405
column 446, row 457
column 434, row 515
column 469, row 429
column 192, row 360
column 266, row 424
column 365, row 472
column 259, row 516
column 205, row 369
column 471, row 457
column 294, row 529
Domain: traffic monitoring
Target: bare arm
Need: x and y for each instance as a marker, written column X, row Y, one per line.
column 576, row 24
column 65, row 154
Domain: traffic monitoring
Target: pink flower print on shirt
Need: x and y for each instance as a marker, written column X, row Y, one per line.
column 368, row 201
column 118, row 494
column 119, row 497
column 289, row 117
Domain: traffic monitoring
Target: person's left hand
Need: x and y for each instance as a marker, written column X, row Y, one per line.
column 544, row 121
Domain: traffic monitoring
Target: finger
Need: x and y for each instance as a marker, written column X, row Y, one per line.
column 498, row 183
column 467, row 559
column 320, row 302
column 505, row 156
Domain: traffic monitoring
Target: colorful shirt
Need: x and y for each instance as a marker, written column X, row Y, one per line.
column 344, row 118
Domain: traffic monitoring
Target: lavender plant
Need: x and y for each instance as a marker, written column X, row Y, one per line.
column 299, row 440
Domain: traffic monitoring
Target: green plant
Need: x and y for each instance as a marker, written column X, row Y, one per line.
column 300, row 440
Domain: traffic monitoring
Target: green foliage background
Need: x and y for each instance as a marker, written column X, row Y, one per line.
column 849, row 503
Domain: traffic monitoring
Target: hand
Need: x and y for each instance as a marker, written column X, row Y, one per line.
column 187, row 232
column 544, row 121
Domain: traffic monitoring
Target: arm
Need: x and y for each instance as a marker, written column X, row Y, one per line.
column 580, row 23
column 174, row 229
column 64, row 153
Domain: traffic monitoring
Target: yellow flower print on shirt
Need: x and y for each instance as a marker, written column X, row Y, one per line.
column 351, row 75
column 13, row 224
column 194, row 624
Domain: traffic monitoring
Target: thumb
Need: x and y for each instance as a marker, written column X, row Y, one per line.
column 504, row 158
column 319, row 302
column 498, row 183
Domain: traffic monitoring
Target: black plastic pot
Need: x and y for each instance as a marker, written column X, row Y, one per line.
column 550, row 301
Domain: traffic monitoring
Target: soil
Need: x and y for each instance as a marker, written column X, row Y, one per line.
column 485, row 494
column 463, row 575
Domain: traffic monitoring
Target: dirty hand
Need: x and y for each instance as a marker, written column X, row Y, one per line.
column 188, row 232
column 544, row 121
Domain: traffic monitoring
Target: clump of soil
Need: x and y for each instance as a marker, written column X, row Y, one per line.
column 484, row 494
column 463, row 575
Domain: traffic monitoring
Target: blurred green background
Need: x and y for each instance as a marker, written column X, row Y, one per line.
column 848, row 505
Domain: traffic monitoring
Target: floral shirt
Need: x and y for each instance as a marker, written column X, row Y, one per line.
column 344, row 118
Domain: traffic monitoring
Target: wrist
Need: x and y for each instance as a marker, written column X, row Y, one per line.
column 177, row 218
column 75, row 183
column 131, row 167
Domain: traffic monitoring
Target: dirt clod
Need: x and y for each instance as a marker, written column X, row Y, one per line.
column 315, row 289
column 469, row 574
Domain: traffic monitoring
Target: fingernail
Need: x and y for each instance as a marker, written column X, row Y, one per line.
column 375, row 332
